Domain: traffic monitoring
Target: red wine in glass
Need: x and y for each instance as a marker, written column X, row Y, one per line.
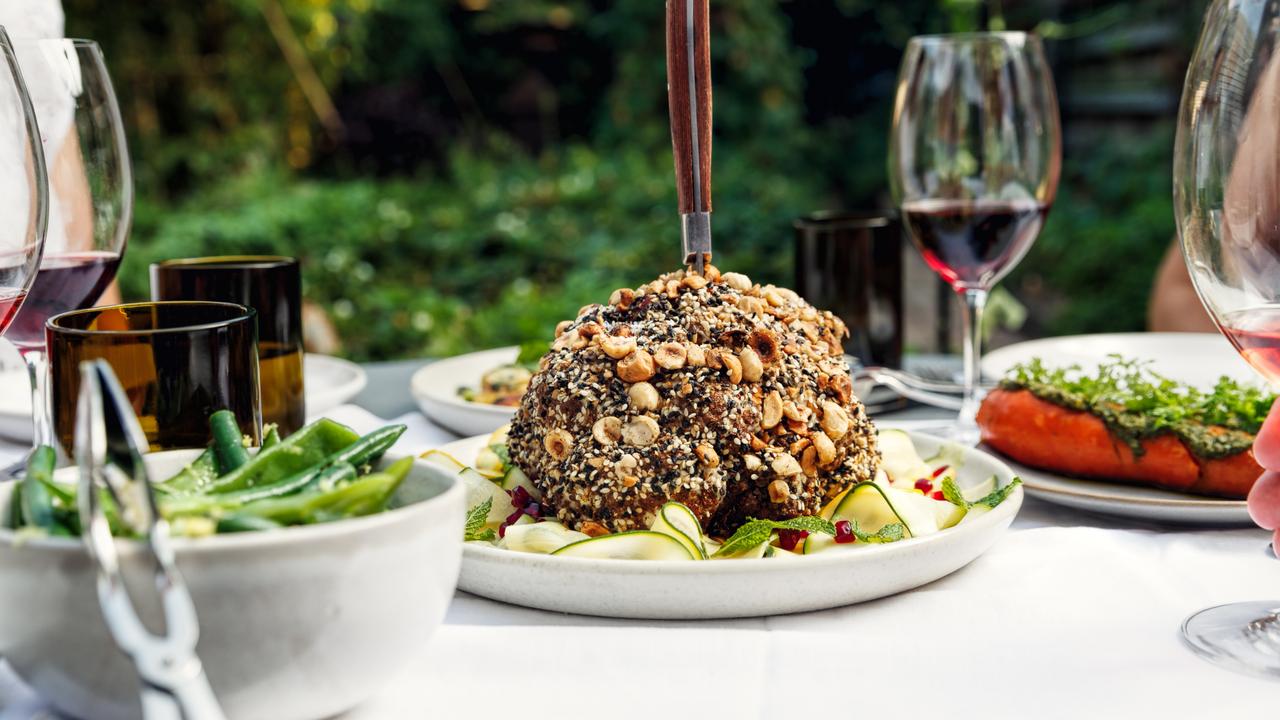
column 1256, row 334
column 973, row 243
column 10, row 301
column 66, row 281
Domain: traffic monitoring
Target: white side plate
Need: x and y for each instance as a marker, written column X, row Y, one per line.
column 435, row 388
column 736, row 588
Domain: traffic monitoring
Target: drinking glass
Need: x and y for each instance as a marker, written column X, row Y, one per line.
column 90, row 193
column 273, row 287
column 24, row 199
column 178, row 362
column 1226, row 181
column 974, row 157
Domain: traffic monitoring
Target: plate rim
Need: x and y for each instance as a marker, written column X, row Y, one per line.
column 1028, row 473
column 422, row 391
column 987, row 355
column 1004, row 514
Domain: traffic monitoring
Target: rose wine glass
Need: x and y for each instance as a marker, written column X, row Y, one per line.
column 974, row 156
column 91, row 197
column 24, row 200
column 1226, row 187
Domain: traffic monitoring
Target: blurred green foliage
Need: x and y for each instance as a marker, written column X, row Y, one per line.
column 495, row 164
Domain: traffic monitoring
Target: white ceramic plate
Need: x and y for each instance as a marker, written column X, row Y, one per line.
column 736, row 588
column 329, row 382
column 1197, row 359
column 435, row 388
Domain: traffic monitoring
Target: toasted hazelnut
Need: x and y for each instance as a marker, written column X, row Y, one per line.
column 827, row 453
column 835, row 421
column 798, row 427
column 685, row 390
column 752, row 368
column 779, row 492
column 711, row 272
column 562, row 326
column 558, row 443
column 643, row 397
column 589, row 330
column 809, row 461
column 622, row 297
column 591, row 528
column 596, row 462
column 798, row 446
column 791, row 411
column 641, row 430
column 785, row 465
column 752, row 462
column 628, row 462
column 707, row 455
column 607, row 430
column 733, row 366
column 620, row 330
column 629, row 481
column 673, row 289
column 636, row 367
column 695, row 356
column 695, row 282
column 843, row 388
column 771, row 412
column 670, row 356
column 618, row 347
column 737, row 281
column 765, row 343
column 772, row 296
column 808, row 313
column 713, row 360
column 577, row 340
column 757, row 444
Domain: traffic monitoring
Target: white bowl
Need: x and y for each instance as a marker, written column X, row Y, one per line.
column 705, row 589
column 302, row 622
column 435, row 388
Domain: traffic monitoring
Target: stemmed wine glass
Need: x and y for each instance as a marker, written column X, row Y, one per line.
column 24, row 200
column 91, row 197
column 974, row 157
column 1226, row 186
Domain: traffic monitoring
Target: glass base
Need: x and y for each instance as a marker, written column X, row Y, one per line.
column 1243, row 637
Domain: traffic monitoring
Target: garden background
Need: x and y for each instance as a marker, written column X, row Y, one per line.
column 460, row 174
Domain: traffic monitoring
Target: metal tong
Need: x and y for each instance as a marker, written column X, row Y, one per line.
column 108, row 448
column 689, row 102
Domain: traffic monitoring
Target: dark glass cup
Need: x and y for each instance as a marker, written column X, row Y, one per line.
column 273, row 287
column 177, row 361
column 851, row 264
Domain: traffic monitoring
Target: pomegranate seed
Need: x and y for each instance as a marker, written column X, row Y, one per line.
column 923, row 485
column 789, row 539
column 520, row 497
column 513, row 517
column 844, row 532
column 938, row 495
column 941, row 470
column 502, row 530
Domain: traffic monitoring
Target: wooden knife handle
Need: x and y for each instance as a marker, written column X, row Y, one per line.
column 689, row 100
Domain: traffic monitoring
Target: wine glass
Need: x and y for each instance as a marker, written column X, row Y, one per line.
column 24, row 199
column 974, row 156
column 1226, row 187
column 91, row 197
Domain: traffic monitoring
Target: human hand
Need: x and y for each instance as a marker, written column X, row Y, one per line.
column 1264, row 498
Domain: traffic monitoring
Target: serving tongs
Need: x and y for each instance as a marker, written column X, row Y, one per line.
column 689, row 102
column 108, row 448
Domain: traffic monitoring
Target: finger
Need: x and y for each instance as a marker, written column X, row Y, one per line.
column 1264, row 500
column 1266, row 446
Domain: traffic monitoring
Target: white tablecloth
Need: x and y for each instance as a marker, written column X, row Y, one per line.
column 1069, row 616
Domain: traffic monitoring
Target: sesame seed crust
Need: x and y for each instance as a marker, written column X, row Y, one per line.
column 715, row 348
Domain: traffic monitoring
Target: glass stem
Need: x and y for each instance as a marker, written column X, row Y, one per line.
column 974, row 303
column 41, row 420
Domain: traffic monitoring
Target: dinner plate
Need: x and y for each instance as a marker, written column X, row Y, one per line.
column 1197, row 359
column 435, row 388
column 329, row 382
column 706, row 589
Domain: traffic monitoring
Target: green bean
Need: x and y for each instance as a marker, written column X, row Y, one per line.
column 297, row 453
column 371, row 447
column 239, row 522
column 321, row 474
column 270, row 436
column 362, row 496
column 228, row 442
column 198, row 474
column 37, row 501
column 13, row 518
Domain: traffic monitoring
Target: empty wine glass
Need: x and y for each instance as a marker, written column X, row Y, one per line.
column 974, row 157
column 1227, row 201
column 24, row 202
column 91, row 197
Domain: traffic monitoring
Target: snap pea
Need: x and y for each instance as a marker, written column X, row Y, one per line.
column 228, row 441
column 371, row 447
column 325, row 474
column 13, row 518
column 37, row 501
column 362, row 496
column 199, row 473
column 300, row 451
column 270, row 436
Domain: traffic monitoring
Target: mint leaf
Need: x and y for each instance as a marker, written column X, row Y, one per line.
column 951, row 491
column 476, row 517
column 893, row 532
column 754, row 532
column 998, row 495
column 504, row 454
